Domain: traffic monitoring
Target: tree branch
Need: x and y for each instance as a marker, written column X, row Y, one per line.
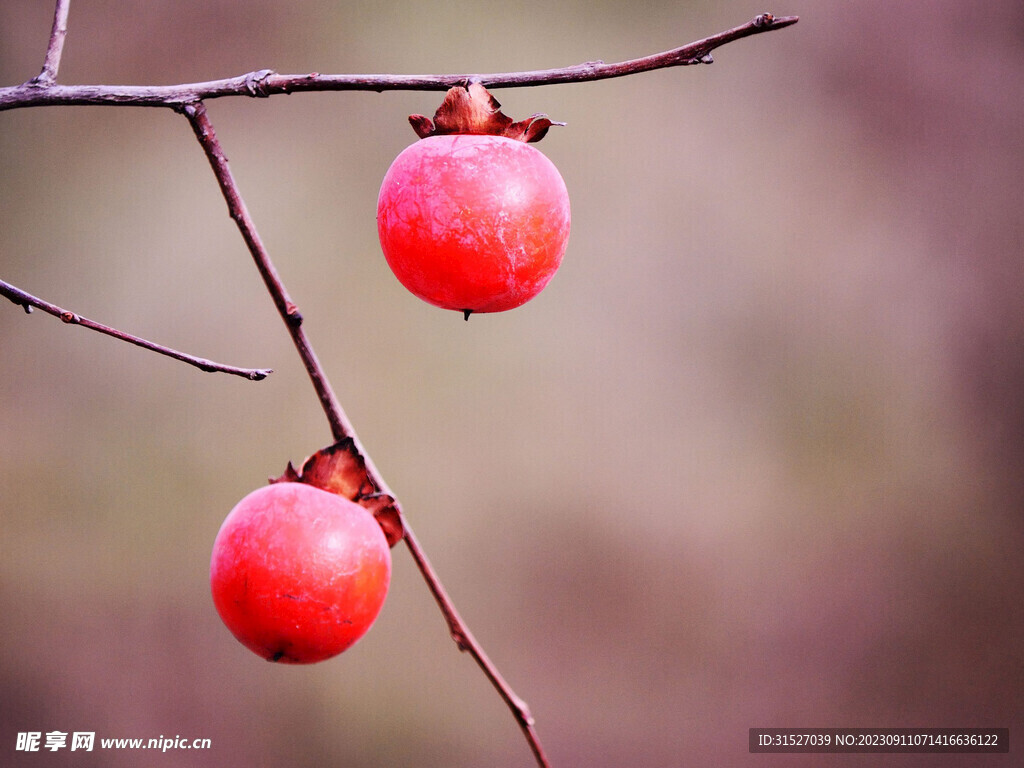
column 48, row 75
column 28, row 301
column 466, row 642
column 266, row 82
column 188, row 99
column 203, row 128
column 341, row 427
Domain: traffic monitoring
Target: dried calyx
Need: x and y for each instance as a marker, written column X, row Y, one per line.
column 472, row 109
column 340, row 468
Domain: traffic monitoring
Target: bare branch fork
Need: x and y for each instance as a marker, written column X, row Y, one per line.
column 45, row 79
column 187, row 99
column 48, row 75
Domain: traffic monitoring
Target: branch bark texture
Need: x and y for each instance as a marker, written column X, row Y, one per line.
column 266, row 82
column 55, row 49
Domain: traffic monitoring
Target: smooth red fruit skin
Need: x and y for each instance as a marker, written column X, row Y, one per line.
column 299, row 574
column 471, row 222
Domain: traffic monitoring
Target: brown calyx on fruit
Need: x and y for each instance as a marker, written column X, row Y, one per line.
column 472, row 109
column 341, row 469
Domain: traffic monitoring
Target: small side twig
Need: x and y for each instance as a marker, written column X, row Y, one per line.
column 28, row 301
column 341, row 427
column 48, row 75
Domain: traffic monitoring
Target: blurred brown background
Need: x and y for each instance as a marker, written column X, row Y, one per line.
column 754, row 458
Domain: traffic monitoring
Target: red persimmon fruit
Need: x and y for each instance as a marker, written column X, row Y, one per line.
column 474, row 223
column 299, row 574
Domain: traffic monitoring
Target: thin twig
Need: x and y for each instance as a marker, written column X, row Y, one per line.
column 196, row 114
column 48, row 75
column 266, row 82
column 466, row 642
column 28, row 301
column 341, row 427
